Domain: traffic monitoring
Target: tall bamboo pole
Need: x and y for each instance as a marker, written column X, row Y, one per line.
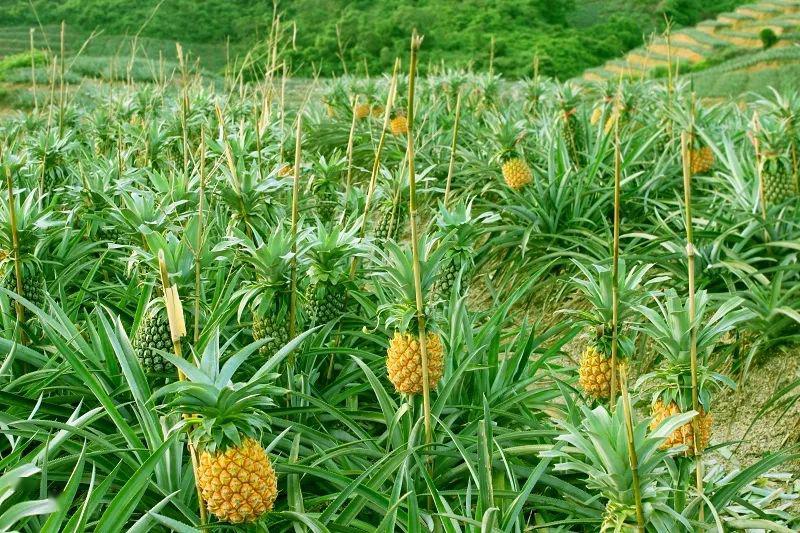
column 615, row 262
column 350, row 141
column 295, row 201
column 632, row 455
column 12, row 219
column 198, row 252
column 416, row 42
column 690, row 252
column 451, row 166
column 33, row 72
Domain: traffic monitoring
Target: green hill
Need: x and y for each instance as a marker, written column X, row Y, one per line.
column 569, row 36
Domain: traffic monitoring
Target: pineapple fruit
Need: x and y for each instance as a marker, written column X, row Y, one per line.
column 33, row 287
column 329, row 253
column 153, row 337
column 684, row 435
column 390, row 221
column 268, row 294
column 457, row 231
column 404, row 361
column 362, row 110
column 404, row 365
column 234, row 474
column 701, row 160
column 671, row 333
column 507, row 136
column 594, row 370
column 778, row 182
column 399, row 124
column 572, row 128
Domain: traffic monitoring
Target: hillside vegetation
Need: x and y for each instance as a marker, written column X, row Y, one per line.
column 569, row 36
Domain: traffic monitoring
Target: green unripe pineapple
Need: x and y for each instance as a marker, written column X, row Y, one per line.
column 324, row 303
column 268, row 327
column 778, row 181
column 443, row 286
column 153, row 335
column 33, row 288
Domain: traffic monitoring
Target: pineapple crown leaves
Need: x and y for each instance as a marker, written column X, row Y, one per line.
column 599, row 449
column 507, row 135
column 271, row 260
column 225, row 411
column 671, row 328
column 596, row 284
column 33, row 220
column 328, row 251
column 457, row 226
column 772, row 137
column 327, row 172
column 178, row 254
column 396, row 272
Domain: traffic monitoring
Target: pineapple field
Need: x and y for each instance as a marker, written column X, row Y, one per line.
column 397, row 302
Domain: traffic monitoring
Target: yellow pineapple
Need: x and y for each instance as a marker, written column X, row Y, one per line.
column 404, row 362
column 684, row 435
column 701, row 160
column 362, row 110
column 516, row 173
column 594, row 373
column 399, row 125
column 234, row 474
column 238, row 484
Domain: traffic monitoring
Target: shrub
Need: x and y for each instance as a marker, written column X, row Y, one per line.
column 768, row 38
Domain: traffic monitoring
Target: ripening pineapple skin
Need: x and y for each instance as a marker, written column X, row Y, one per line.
column 517, row 173
column 362, row 111
column 33, row 288
column 153, row 335
column 389, row 224
column 701, row 160
column 399, row 125
column 404, row 362
column 684, row 434
column 594, row 373
column 267, row 326
column 443, row 285
column 239, row 483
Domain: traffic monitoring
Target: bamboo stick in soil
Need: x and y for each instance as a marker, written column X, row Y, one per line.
column 615, row 265
column 690, row 252
column 12, row 218
column 416, row 42
column 452, row 164
column 632, row 455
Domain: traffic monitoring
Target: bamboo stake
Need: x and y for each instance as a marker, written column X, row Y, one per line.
column 198, row 251
column 177, row 330
column 295, row 200
column 452, row 164
column 33, row 72
column 615, row 263
column 61, row 83
column 690, row 252
column 12, row 218
column 632, row 456
column 416, row 42
column 350, row 140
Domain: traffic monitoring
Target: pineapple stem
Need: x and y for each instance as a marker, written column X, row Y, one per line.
column 687, row 200
column 632, row 456
column 198, row 251
column 33, row 73
column 12, row 216
column 451, row 166
column 416, row 41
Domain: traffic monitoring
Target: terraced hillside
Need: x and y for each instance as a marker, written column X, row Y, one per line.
column 729, row 31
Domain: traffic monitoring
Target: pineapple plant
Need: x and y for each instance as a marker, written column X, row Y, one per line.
column 33, row 285
column 777, row 180
column 596, row 283
column 328, row 255
column 457, row 230
column 670, row 330
column 599, row 448
column 392, row 208
column 50, row 159
column 514, row 168
column 234, row 473
column 327, row 179
column 268, row 294
column 701, row 160
column 404, row 354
